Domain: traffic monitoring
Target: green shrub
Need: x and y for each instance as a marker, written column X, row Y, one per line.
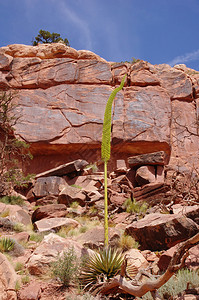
column 14, row 200
column 127, row 242
column 65, row 268
column 135, row 207
column 102, row 265
column 17, row 286
column 19, row 267
column 177, row 284
column 6, row 244
column 19, row 227
column 36, row 237
column 25, row 279
column 74, row 204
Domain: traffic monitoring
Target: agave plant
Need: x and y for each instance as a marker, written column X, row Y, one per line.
column 6, row 244
column 106, row 150
column 101, row 266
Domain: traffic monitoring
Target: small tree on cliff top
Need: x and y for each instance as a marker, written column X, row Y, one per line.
column 46, row 37
column 12, row 150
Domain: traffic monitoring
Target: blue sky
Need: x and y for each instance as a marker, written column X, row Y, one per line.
column 158, row 31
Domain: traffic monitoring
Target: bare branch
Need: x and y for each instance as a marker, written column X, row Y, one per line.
column 176, row 263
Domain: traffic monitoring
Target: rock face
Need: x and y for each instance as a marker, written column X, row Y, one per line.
column 161, row 231
column 8, row 279
column 62, row 95
column 48, row 251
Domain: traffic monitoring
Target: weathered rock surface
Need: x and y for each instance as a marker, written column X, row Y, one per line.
column 49, row 211
column 136, row 258
column 71, row 194
column 32, row 291
column 54, row 224
column 94, row 238
column 15, row 213
column 156, row 158
column 191, row 262
column 65, row 169
column 191, row 212
column 66, row 91
column 48, row 251
column 161, row 231
column 8, row 279
column 51, row 185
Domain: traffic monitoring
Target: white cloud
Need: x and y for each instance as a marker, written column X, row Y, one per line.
column 78, row 21
column 185, row 58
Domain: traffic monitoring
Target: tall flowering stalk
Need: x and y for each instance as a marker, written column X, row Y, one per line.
column 106, row 152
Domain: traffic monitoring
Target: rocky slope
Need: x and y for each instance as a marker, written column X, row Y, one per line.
column 62, row 95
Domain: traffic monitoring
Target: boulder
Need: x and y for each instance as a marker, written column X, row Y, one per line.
column 149, row 192
column 48, row 251
column 8, row 279
column 87, row 183
column 65, row 169
column 71, row 194
column 49, row 211
column 191, row 262
column 136, row 259
column 156, row 158
column 32, row 291
column 54, row 224
column 145, row 174
column 50, row 199
column 191, row 212
column 15, row 213
column 51, row 185
column 94, row 238
column 161, row 231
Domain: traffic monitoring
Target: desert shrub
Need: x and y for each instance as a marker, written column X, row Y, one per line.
column 102, row 265
column 74, row 204
column 177, row 283
column 19, row 227
column 17, row 286
column 132, row 206
column 5, row 213
column 127, row 242
column 36, row 237
column 65, row 268
column 14, row 200
column 6, row 244
column 19, row 266
column 25, row 279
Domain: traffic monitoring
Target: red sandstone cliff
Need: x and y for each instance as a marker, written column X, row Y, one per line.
column 62, row 95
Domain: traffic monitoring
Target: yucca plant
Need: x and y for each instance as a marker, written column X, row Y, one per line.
column 6, row 244
column 101, row 266
column 106, row 152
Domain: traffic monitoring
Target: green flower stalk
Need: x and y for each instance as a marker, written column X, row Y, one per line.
column 106, row 152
